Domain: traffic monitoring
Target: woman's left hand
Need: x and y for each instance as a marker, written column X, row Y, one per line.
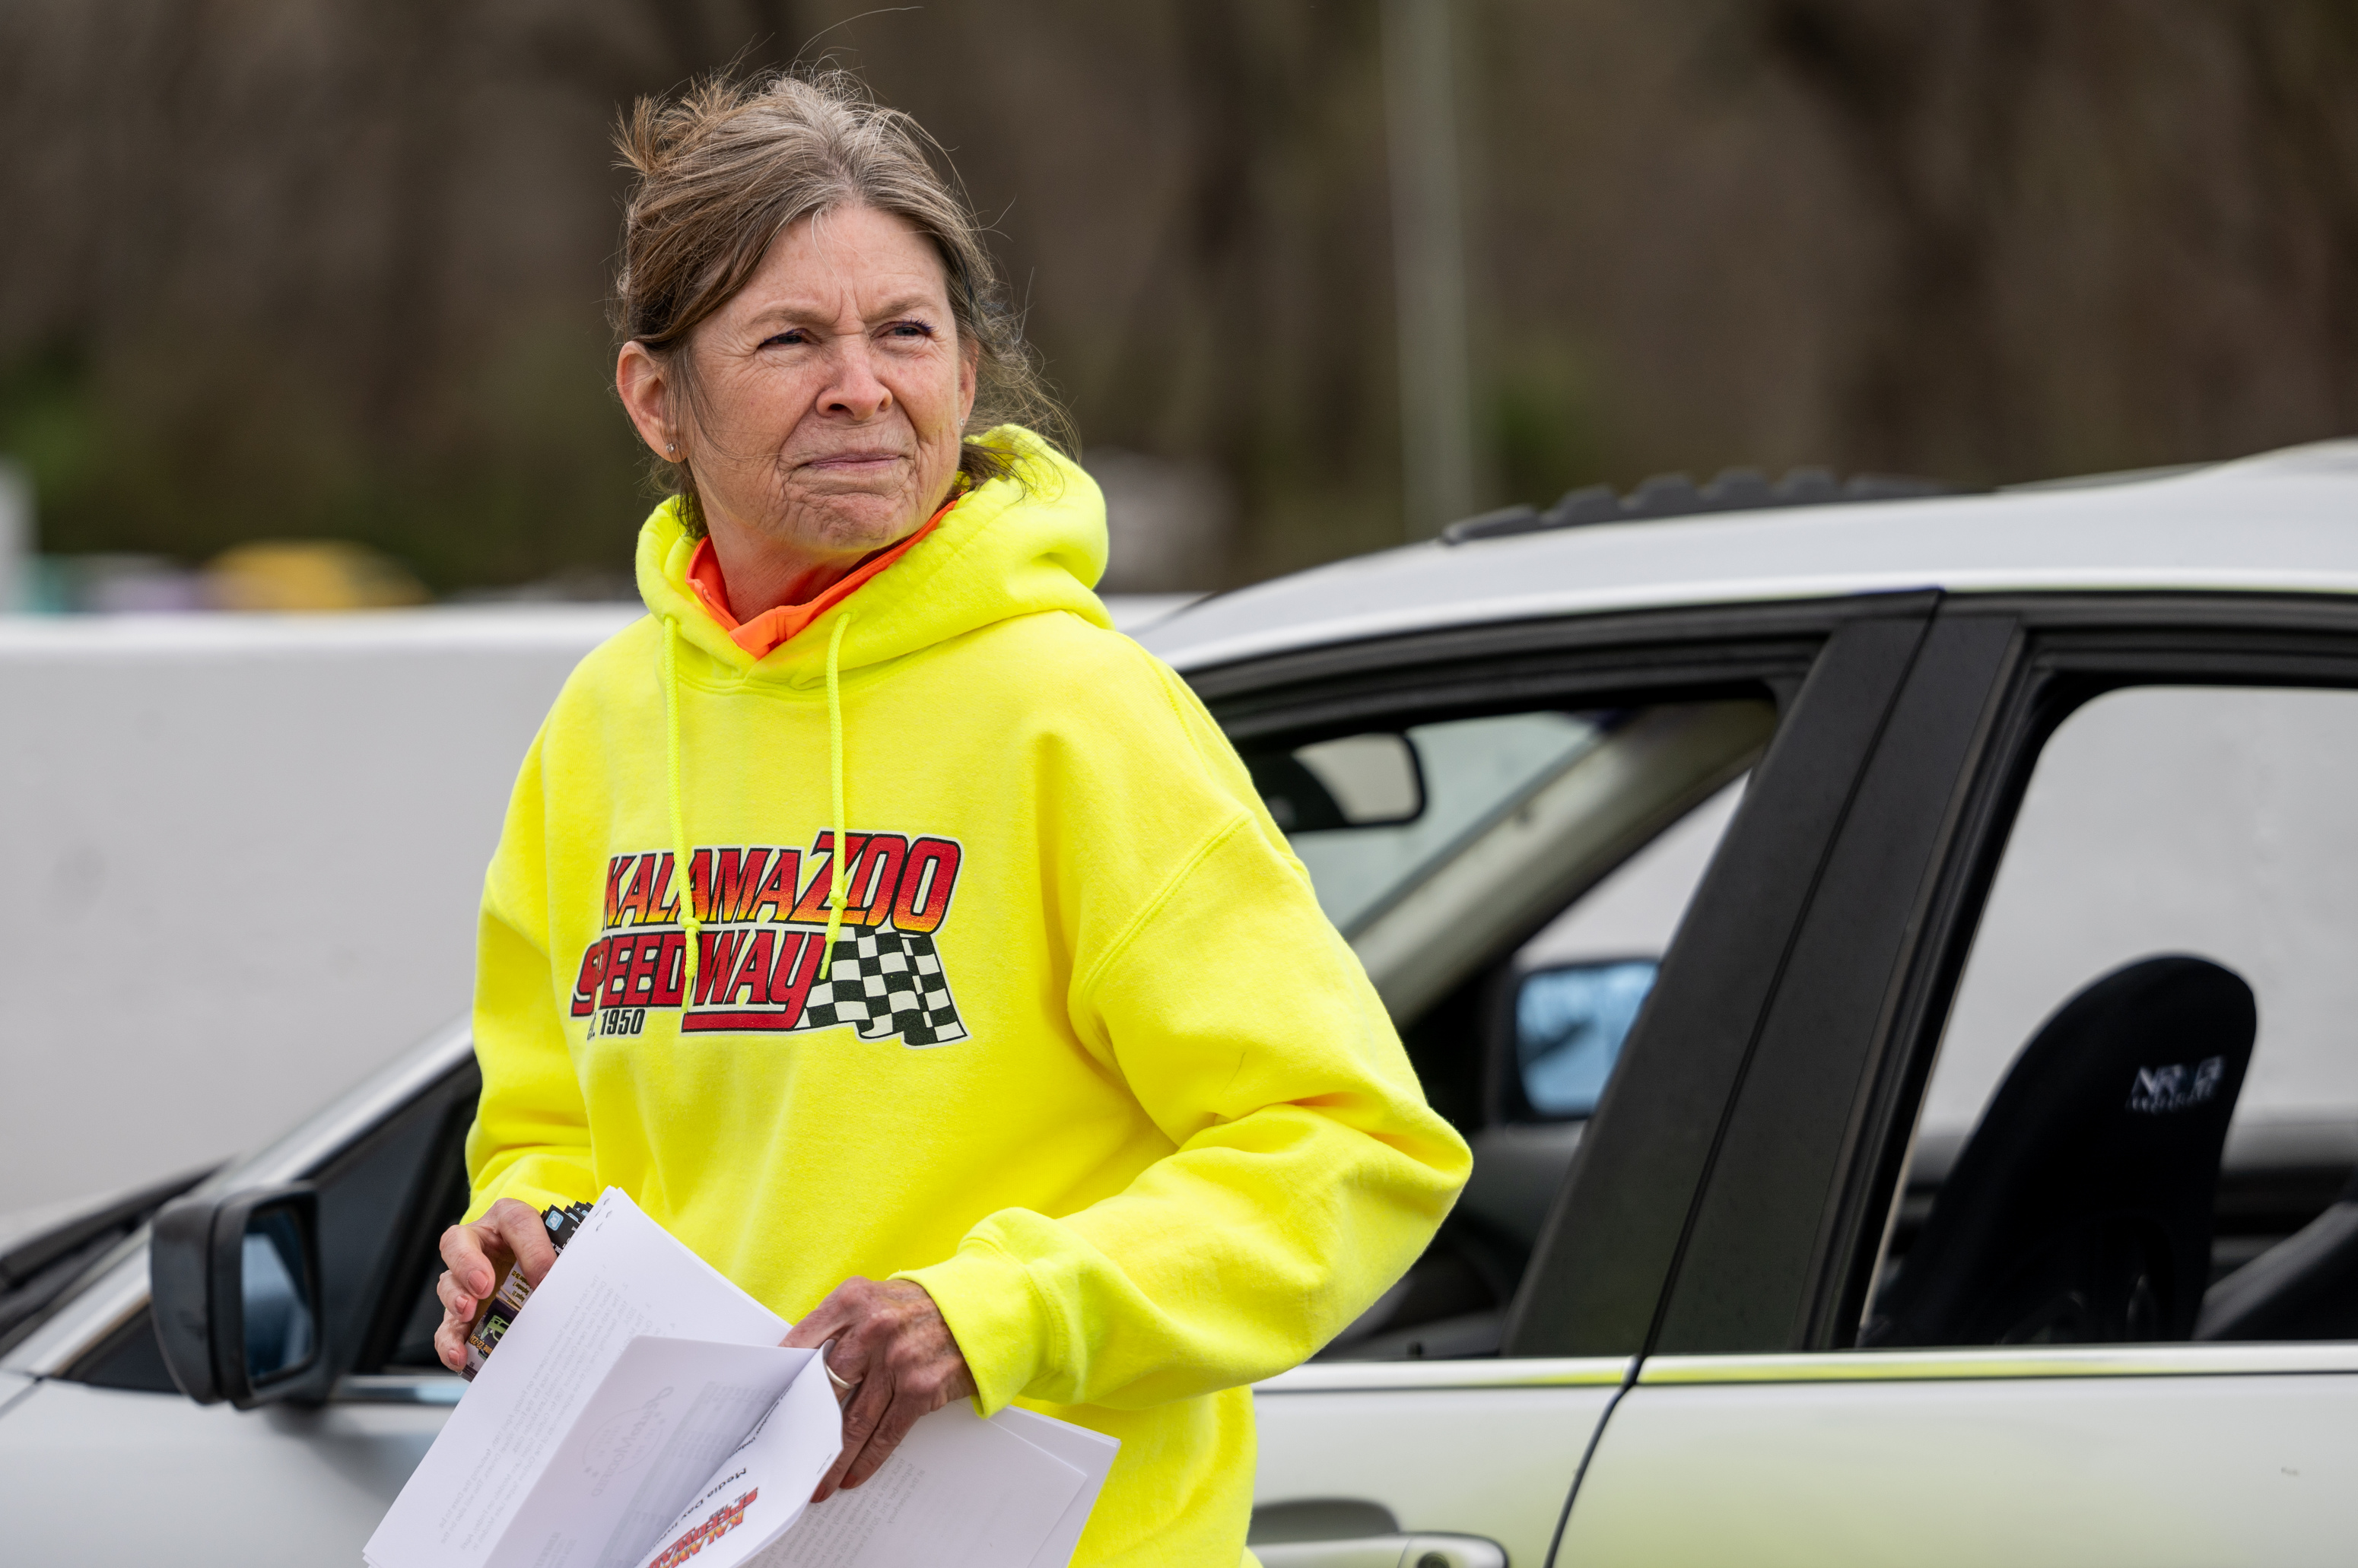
column 901, row 1359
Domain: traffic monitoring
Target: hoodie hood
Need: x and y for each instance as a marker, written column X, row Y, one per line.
column 1028, row 542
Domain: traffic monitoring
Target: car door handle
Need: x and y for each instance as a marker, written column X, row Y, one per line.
column 1385, row 1551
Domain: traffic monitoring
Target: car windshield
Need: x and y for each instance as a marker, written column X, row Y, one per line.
column 43, row 1259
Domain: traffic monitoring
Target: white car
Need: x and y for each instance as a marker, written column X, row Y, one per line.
column 1894, row 961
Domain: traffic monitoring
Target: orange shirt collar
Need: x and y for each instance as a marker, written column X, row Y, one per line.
column 774, row 627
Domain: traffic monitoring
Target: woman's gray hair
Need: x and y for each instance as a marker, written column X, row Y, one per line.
column 727, row 165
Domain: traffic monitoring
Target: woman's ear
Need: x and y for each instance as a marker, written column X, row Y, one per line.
column 645, row 389
column 969, row 365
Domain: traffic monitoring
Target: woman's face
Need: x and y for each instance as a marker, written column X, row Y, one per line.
column 834, row 394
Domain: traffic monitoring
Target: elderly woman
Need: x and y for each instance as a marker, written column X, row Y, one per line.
column 907, row 941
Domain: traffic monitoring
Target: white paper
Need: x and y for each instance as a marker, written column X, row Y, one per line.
column 765, row 1487
column 1091, row 1451
column 639, row 1413
column 959, row 1493
column 623, row 1275
column 655, row 1435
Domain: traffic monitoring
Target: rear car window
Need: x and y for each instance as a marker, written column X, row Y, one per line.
column 2142, row 1123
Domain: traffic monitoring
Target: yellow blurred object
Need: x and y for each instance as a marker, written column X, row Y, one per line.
column 309, row 574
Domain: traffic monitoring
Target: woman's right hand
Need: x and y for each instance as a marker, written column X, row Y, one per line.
column 479, row 1257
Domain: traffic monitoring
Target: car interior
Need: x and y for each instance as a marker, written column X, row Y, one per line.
column 2172, row 1154
column 2074, row 1212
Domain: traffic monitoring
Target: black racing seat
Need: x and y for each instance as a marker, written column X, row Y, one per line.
column 2305, row 1287
column 2080, row 1210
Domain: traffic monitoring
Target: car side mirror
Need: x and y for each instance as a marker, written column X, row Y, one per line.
column 235, row 1282
column 1566, row 1030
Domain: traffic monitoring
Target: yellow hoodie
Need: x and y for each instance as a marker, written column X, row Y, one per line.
column 1091, row 1066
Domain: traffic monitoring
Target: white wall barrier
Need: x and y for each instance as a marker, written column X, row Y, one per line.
column 244, row 856
column 242, row 860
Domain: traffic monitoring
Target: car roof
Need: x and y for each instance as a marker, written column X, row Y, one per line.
column 2282, row 521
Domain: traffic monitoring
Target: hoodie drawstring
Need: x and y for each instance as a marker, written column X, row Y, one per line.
column 839, row 878
column 684, row 879
column 838, row 892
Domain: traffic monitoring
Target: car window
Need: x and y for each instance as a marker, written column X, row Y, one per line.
column 1582, row 979
column 1472, row 770
column 2142, row 1122
column 378, row 1202
column 399, row 1336
column 1518, row 814
column 383, row 1200
column 1513, row 921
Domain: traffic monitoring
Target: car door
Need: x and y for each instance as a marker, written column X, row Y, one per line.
column 1431, row 1434
column 103, row 1460
column 2073, row 799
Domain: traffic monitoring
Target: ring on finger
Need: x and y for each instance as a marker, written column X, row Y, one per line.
column 841, row 1387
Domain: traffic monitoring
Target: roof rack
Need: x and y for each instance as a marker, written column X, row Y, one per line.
column 1676, row 496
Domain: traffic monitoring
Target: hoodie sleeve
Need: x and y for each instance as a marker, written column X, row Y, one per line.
column 1308, row 1172
column 531, row 1137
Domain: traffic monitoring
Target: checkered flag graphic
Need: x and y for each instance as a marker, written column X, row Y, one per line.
column 886, row 982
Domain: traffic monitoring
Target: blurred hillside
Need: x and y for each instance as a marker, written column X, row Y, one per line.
column 325, row 268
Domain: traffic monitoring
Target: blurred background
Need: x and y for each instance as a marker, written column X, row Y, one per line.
column 302, row 308
column 1314, row 276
